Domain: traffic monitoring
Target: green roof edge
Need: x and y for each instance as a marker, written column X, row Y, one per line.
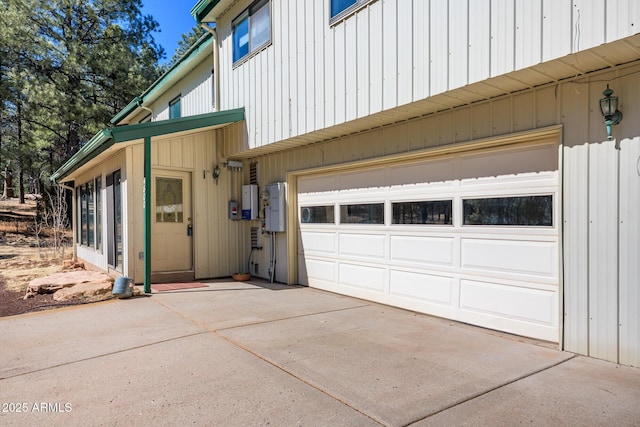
column 203, row 43
column 202, row 8
column 106, row 138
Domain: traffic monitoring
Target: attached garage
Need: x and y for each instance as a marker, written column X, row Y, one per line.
column 466, row 234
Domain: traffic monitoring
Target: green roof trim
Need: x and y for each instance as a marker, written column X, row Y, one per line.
column 100, row 142
column 204, row 43
column 202, row 8
column 105, row 139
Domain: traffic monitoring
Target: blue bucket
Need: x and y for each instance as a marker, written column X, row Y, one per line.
column 122, row 287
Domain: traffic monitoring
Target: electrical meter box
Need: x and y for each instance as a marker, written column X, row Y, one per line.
column 275, row 208
column 233, row 210
column 250, row 201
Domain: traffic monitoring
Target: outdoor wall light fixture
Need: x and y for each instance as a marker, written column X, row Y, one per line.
column 609, row 109
column 216, row 173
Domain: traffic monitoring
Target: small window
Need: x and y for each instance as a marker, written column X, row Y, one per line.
column 362, row 214
column 251, row 29
column 91, row 209
column 340, row 8
column 169, row 206
column 510, row 211
column 174, row 108
column 317, row 215
column 99, row 213
column 424, row 212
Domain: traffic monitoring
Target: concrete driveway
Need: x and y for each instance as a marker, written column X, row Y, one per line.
column 237, row 354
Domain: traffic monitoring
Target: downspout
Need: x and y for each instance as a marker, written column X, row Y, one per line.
column 216, row 65
column 139, row 103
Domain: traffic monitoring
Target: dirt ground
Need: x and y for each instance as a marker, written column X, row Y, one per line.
column 23, row 257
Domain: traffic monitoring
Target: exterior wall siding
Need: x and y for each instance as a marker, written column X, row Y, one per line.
column 394, row 52
column 220, row 245
column 196, row 89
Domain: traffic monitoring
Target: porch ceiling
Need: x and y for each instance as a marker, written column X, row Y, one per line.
column 575, row 66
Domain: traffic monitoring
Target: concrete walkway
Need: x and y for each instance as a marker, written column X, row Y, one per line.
column 249, row 354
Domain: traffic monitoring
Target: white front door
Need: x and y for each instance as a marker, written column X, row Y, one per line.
column 171, row 236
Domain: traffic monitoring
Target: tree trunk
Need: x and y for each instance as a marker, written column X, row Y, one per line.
column 8, row 183
column 20, row 157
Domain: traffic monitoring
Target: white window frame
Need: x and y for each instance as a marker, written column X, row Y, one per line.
column 254, row 9
column 349, row 10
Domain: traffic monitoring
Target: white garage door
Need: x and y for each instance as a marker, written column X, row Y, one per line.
column 472, row 237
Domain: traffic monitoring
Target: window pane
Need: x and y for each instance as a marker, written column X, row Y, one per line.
column 174, row 109
column 99, row 213
column 168, row 200
column 338, row 6
column 117, row 220
column 91, row 209
column 317, row 215
column 241, row 38
column 362, row 214
column 83, row 216
column 79, row 214
column 260, row 27
column 525, row 210
column 427, row 212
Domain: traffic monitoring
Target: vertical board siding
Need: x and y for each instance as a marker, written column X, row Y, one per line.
column 438, row 47
column 575, row 233
column 479, row 41
column 458, row 43
column 528, row 44
column 502, row 37
column 603, row 251
column 557, row 28
column 393, row 52
column 630, row 252
column 196, row 94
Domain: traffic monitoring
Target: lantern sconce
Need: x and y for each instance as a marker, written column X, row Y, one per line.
column 609, row 109
column 216, row 173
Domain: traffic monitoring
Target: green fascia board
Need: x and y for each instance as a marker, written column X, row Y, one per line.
column 104, row 139
column 164, row 127
column 202, row 8
column 160, row 85
column 100, row 142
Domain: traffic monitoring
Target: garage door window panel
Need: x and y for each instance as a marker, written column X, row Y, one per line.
column 528, row 211
column 317, row 215
column 371, row 213
column 432, row 212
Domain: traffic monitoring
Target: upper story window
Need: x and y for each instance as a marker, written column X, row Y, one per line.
column 174, row 108
column 252, row 29
column 340, row 8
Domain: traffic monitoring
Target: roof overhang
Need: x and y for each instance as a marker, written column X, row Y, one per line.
column 209, row 10
column 105, row 139
column 191, row 57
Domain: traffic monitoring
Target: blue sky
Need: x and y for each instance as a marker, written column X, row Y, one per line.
column 174, row 19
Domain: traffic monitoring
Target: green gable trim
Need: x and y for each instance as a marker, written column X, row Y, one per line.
column 105, row 139
column 202, row 8
column 164, row 127
column 204, row 43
